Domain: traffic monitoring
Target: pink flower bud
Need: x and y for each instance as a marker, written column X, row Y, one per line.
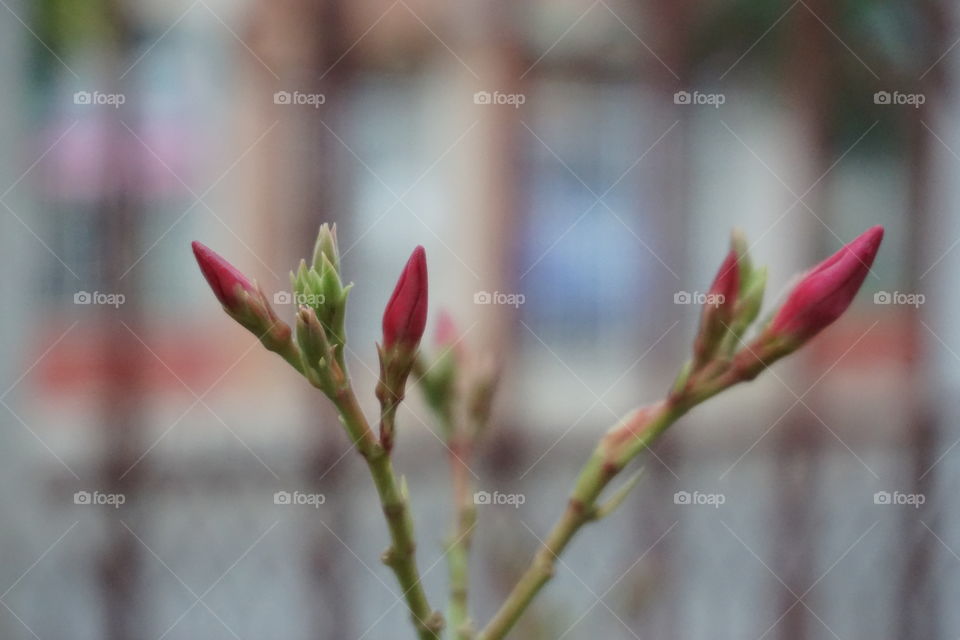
column 405, row 317
column 726, row 285
column 225, row 280
column 827, row 290
column 718, row 311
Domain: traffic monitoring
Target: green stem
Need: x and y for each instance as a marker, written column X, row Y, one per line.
column 401, row 555
column 351, row 415
column 581, row 509
column 458, row 552
column 388, row 419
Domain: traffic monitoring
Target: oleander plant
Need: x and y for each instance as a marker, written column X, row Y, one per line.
column 730, row 347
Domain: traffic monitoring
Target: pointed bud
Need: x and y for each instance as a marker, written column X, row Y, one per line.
column 404, row 321
column 311, row 338
column 330, row 286
column 726, row 285
column 751, row 297
column 318, row 285
column 827, row 290
column 326, row 245
column 320, row 364
column 246, row 303
column 718, row 311
column 227, row 282
column 405, row 317
column 738, row 243
column 299, row 279
column 748, row 306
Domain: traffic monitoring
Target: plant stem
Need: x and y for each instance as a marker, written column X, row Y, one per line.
column 458, row 551
column 351, row 415
column 615, row 450
column 388, row 418
column 581, row 509
column 401, row 555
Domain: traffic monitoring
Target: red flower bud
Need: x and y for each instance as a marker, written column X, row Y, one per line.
column 222, row 277
column 726, row 285
column 405, row 317
column 827, row 290
column 718, row 310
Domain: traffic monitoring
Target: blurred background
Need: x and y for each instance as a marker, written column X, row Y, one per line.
column 573, row 169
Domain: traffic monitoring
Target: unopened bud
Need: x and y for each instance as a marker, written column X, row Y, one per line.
column 718, row 312
column 244, row 301
column 320, row 287
column 326, row 245
column 405, row 316
column 227, row 282
column 314, row 348
column 404, row 321
column 817, row 300
column 827, row 290
column 748, row 305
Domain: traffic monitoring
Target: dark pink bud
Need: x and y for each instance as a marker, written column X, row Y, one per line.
column 827, row 290
column 225, row 280
column 405, row 317
column 718, row 310
column 726, row 286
